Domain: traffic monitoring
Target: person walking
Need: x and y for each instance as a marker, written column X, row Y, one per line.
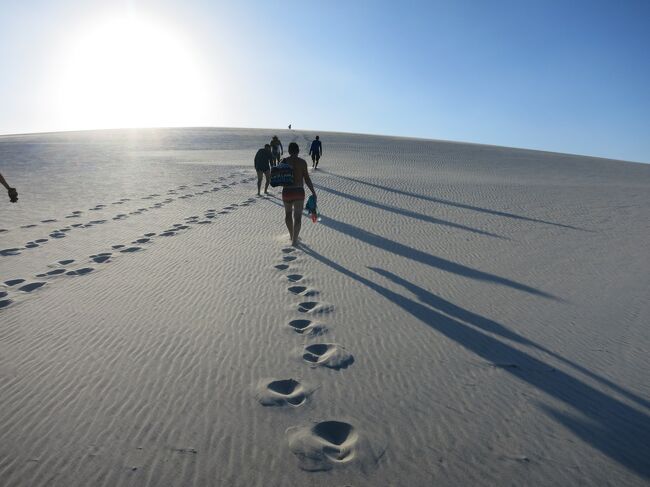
column 316, row 150
column 13, row 194
column 263, row 167
column 276, row 149
column 293, row 196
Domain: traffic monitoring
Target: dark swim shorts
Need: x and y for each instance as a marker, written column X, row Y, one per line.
column 293, row 194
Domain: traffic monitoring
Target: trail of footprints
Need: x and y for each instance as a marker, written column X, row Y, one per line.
column 73, row 268
column 171, row 195
column 326, row 444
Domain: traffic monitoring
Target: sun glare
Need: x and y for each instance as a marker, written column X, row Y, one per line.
column 130, row 73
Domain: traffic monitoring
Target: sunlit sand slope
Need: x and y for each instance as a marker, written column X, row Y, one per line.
column 461, row 315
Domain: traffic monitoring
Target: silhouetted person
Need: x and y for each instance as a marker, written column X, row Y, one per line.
column 289, row 126
column 13, row 194
column 263, row 167
column 294, row 196
column 276, row 149
column 316, row 150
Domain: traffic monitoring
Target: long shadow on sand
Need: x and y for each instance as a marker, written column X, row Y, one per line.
column 454, row 203
column 428, row 259
column 607, row 424
column 491, row 326
column 408, row 213
column 424, row 258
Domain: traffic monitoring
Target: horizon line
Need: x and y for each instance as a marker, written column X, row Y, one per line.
column 46, row 132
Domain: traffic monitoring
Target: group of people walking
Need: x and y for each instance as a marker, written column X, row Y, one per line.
column 293, row 195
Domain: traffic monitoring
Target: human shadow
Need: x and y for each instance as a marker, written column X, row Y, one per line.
column 495, row 328
column 456, row 204
column 424, row 258
column 408, row 213
column 607, row 424
column 428, row 259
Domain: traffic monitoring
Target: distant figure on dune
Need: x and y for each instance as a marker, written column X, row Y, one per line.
column 263, row 167
column 289, row 126
column 13, row 194
column 316, row 150
column 293, row 196
column 276, row 149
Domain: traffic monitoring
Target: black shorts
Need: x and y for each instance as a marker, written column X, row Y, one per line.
column 315, row 156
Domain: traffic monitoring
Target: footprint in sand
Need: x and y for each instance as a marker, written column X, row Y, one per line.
column 49, row 220
column 330, row 355
column 307, row 327
column 325, row 445
column 168, row 233
column 66, row 261
column 302, row 291
column 31, row 245
column 295, row 277
column 80, row 272
column 297, row 289
column 40, row 240
column 130, row 250
column 314, row 307
column 141, row 240
column 31, row 225
column 5, row 302
column 101, row 258
column 53, row 272
column 289, row 258
column 11, row 251
column 32, row 286
column 57, row 234
column 281, row 267
column 285, row 392
column 288, row 250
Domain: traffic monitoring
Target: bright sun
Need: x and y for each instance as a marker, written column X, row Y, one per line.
column 130, row 73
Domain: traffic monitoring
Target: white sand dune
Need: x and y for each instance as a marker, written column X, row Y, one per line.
column 462, row 315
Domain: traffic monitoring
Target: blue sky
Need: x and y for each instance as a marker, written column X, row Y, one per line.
column 560, row 76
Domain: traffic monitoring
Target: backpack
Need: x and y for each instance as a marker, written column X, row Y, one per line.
column 282, row 175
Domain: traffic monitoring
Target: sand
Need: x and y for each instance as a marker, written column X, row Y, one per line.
column 462, row 315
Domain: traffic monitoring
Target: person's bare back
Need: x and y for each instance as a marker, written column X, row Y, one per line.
column 299, row 167
column 293, row 196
